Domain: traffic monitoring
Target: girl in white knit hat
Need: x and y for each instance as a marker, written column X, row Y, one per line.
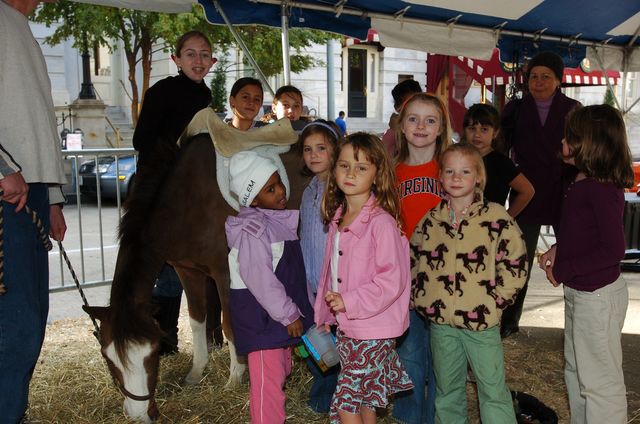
column 269, row 303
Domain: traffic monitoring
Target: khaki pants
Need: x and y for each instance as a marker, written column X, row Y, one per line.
column 593, row 353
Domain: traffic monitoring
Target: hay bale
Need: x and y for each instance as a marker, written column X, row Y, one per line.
column 71, row 383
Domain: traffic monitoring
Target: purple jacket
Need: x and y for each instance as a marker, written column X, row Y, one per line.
column 536, row 150
column 373, row 276
column 268, row 282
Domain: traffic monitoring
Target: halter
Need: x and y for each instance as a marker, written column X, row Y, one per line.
column 120, row 385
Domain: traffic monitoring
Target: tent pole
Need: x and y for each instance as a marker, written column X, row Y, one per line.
column 286, row 64
column 331, row 99
column 243, row 46
column 606, row 78
column 625, row 69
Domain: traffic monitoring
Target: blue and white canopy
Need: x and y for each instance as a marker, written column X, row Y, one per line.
column 605, row 31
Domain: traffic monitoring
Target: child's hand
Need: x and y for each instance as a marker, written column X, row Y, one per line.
column 324, row 328
column 334, row 301
column 295, row 328
column 546, row 262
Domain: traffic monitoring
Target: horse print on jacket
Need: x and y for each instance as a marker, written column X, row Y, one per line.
column 477, row 315
column 419, row 283
column 477, row 257
column 490, row 286
column 503, row 303
column 516, row 266
column 502, row 250
column 448, row 228
column 495, row 228
column 433, row 311
column 426, row 224
column 435, row 258
column 450, row 280
column 461, row 226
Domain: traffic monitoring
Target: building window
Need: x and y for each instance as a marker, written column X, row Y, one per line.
column 404, row 77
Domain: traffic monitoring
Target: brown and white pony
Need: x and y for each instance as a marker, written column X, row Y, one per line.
column 175, row 216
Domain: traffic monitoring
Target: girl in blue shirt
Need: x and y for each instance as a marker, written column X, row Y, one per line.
column 317, row 144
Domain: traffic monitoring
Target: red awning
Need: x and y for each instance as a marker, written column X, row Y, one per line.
column 483, row 71
column 372, row 37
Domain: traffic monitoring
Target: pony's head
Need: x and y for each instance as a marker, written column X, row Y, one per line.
column 133, row 362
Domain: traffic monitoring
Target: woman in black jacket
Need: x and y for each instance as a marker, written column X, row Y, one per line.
column 168, row 107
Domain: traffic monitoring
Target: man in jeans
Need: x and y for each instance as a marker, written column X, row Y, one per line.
column 30, row 173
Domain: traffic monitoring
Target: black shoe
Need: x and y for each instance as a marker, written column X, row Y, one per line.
column 507, row 331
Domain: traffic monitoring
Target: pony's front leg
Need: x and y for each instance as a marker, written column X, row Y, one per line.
column 237, row 367
column 194, row 283
column 200, row 354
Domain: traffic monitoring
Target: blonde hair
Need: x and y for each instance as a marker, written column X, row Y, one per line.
column 597, row 139
column 384, row 185
column 471, row 152
column 444, row 139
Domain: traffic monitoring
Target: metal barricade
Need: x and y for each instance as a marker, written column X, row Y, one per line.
column 92, row 219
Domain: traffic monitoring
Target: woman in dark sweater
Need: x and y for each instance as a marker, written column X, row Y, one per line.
column 167, row 109
column 533, row 128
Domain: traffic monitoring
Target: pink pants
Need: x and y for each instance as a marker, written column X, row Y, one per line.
column 267, row 371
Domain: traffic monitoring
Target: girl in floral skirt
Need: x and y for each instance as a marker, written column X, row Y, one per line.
column 364, row 285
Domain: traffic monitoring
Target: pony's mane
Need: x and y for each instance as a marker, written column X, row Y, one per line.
column 139, row 261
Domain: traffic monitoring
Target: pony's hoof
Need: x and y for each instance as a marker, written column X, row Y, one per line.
column 236, row 377
column 192, row 379
column 233, row 383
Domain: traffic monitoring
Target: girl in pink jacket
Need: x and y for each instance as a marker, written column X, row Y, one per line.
column 365, row 280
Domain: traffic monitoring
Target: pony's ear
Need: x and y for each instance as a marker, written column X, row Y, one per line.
column 98, row 312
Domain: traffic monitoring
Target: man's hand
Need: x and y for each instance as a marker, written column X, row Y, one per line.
column 295, row 328
column 57, row 224
column 15, row 190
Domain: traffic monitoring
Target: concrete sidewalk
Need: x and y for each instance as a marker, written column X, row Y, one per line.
column 543, row 307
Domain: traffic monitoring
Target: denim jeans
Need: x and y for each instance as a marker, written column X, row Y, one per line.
column 411, row 407
column 168, row 283
column 323, row 386
column 25, row 305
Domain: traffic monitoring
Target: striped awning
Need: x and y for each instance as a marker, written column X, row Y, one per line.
column 485, row 70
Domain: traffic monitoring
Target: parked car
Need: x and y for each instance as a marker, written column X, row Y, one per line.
column 106, row 169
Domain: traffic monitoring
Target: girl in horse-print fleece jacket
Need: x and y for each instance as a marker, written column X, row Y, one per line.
column 468, row 263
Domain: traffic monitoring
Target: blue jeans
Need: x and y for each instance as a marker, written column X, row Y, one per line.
column 323, row 386
column 414, row 350
column 168, row 283
column 25, row 305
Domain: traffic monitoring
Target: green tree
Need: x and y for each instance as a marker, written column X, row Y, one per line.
column 218, row 86
column 609, row 98
column 91, row 25
column 140, row 31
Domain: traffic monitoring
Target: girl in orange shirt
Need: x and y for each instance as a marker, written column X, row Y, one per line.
column 423, row 134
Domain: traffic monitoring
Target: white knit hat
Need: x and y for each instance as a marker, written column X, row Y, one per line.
column 249, row 172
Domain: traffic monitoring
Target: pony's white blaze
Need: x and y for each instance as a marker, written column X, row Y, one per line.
column 135, row 378
column 200, row 354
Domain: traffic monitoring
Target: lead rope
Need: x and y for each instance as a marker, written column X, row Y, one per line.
column 46, row 242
